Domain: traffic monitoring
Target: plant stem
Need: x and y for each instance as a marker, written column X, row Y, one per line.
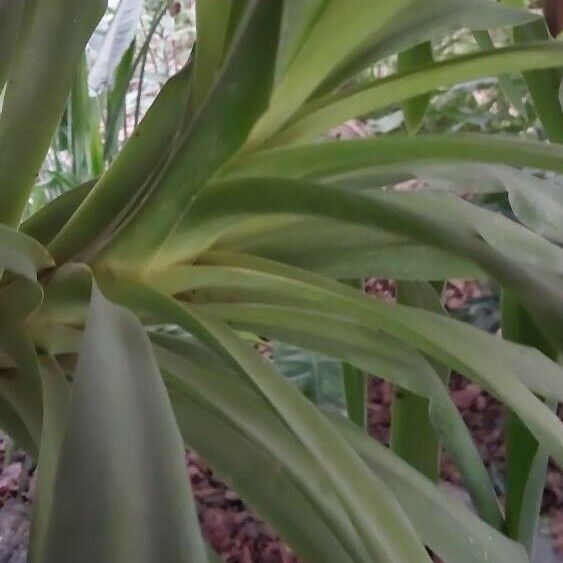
column 355, row 386
column 412, row 435
column 526, row 464
column 355, row 389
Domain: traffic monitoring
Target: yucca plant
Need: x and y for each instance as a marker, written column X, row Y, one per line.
column 225, row 216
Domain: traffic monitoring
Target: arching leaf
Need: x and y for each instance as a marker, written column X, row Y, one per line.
column 114, row 498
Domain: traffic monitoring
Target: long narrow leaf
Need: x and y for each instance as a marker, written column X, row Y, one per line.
column 346, row 158
column 455, row 344
column 426, row 508
column 319, row 115
column 10, row 19
column 279, row 460
column 218, row 131
column 197, row 401
column 377, row 354
column 46, row 223
column 20, row 385
column 544, row 85
column 30, row 112
column 362, row 31
column 120, row 429
column 56, row 401
column 123, row 183
column 212, row 21
column 415, row 58
column 380, row 522
column 465, row 229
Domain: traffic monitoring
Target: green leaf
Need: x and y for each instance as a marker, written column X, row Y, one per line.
column 413, row 436
column 344, row 159
column 429, row 19
column 347, row 250
column 10, row 19
column 83, row 122
column 218, row 131
column 527, row 459
column 536, row 202
column 400, row 262
column 124, row 72
column 382, row 526
column 116, row 100
column 120, row 429
column 533, row 494
column 360, row 33
column 415, row 58
column 265, row 453
column 119, row 189
column 369, row 349
column 212, row 23
column 319, row 115
column 234, row 429
column 299, row 18
column 13, row 425
column 56, row 402
column 483, row 237
column 143, row 54
column 20, row 385
column 46, row 223
column 467, row 539
column 503, row 368
column 30, row 112
column 21, row 254
column 319, row 377
column 355, row 385
column 255, row 281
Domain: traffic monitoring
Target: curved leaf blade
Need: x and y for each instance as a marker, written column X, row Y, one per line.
column 476, row 234
column 120, row 429
column 544, row 85
column 344, row 159
column 10, row 20
column 20, row 385
column 384, row 529
column 21, row 254
column 372, row 351
column 215, row 135
column 319, row 115
column 214, row 412
column 431, row 512
column 503, row 368
column 28, row 111
column 362, row 31
column 197, row 399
